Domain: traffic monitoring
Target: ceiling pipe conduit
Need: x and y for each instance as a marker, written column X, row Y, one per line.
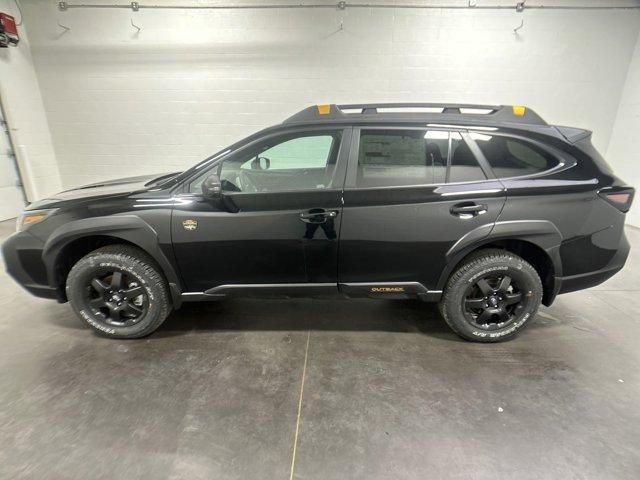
column 519, row 6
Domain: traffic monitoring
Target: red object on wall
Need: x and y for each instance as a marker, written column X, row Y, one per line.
column 8, row 30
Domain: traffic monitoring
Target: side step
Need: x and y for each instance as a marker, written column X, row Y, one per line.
column 390, row 290
column 263, row 290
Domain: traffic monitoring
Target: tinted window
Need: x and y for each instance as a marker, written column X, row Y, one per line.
column 298, row 161
column 302, row 152
column 413, row 157
column 464, row 166
column 511, row 157
column 402, row 157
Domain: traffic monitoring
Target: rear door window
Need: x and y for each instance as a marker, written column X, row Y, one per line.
column 512, row 157
column 401, row 157
column 396, row 157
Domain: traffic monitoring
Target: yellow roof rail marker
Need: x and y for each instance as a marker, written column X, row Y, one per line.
column 518, row 110
column 324, row 109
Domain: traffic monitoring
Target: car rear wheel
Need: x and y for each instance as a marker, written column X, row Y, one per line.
column 119, row 292
column 491, row 296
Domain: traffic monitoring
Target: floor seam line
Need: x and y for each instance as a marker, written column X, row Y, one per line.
column 615, row 307
column 295, row 438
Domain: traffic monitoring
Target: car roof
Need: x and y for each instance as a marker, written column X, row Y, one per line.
column 514, row 118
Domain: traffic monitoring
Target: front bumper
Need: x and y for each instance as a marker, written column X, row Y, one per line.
column 22, row 254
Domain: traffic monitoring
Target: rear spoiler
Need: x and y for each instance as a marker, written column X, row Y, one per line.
column 573, row 135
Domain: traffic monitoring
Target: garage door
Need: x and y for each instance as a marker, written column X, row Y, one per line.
column 11, row 196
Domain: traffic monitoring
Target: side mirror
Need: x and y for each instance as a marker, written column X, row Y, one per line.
column 211, row 187
column 260, row 163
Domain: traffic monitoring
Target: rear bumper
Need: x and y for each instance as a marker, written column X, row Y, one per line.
column 591, row 279
column 22, row 254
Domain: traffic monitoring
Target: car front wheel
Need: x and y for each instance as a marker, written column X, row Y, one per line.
column 119, row 292
column 491, row 296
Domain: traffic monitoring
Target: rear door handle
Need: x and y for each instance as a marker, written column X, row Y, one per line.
column 318, row 215
column 468, row 210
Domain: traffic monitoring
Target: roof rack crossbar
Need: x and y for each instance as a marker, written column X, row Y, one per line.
column 446, row 107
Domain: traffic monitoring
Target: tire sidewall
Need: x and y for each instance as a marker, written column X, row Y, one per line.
column 528, row 282
column 88, row 267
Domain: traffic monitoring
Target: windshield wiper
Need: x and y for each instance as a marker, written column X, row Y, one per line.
column 161, row 178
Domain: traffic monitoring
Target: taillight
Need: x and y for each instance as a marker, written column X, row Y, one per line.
column 619, row 197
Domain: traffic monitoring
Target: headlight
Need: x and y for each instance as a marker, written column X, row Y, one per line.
column 31, row 217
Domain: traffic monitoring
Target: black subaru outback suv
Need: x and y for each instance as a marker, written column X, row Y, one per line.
column 487, row 210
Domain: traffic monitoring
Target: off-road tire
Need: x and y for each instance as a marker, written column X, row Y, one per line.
column 134, row 263
column 475, row 267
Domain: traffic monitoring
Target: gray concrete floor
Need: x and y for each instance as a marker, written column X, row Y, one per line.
column 387, row 392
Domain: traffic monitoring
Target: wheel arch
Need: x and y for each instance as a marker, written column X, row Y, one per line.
column 72, row 241
column 537, row 242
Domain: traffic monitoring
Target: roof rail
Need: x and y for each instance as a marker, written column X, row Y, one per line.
column 415, row 111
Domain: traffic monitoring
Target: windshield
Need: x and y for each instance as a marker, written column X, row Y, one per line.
column 179, row 176
column 219, row 154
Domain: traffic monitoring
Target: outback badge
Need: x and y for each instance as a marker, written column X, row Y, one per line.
column 387, row 289
column 190, row 224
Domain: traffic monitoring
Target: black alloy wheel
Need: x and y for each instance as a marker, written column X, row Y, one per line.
column 119, row 291
column 117, row 298
column 493, row 302
column 491, row 296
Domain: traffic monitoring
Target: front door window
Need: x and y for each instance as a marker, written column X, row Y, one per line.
column 300, row 161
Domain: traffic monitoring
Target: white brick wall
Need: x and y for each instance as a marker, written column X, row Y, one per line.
column 624, row 148
column 193, row 81
column 26, row 116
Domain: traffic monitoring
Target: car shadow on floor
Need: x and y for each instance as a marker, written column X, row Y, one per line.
column 246, row 314
column 302, row 314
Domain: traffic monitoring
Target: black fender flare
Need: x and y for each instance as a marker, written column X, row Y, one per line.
column 127, row 227
column 541, row 233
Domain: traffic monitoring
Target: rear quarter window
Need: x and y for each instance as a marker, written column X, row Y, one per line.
column 512, row 157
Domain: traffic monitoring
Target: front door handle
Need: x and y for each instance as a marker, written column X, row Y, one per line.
column 468, row 210
column 318, row 215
